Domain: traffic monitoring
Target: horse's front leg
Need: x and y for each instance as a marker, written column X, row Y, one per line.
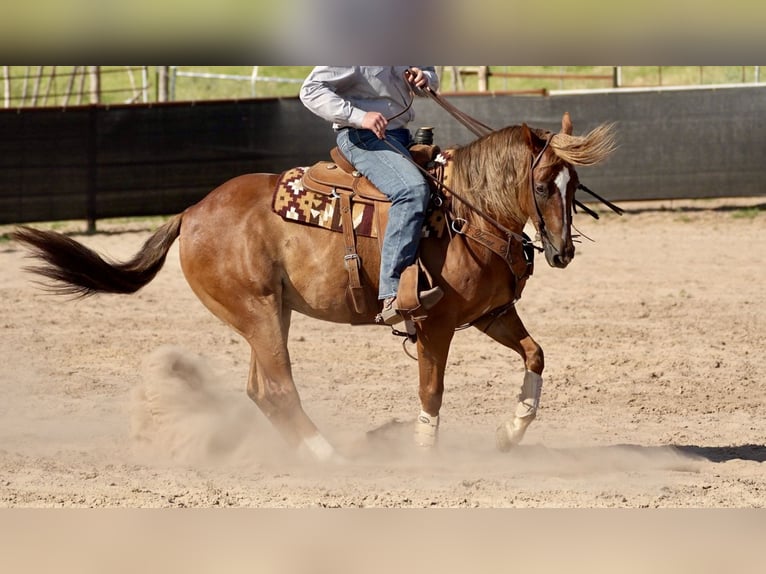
column 508, row 330
column 433, row 348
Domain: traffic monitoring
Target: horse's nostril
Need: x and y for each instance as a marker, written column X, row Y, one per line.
column 561, row 260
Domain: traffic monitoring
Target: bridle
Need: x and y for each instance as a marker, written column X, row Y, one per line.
column 501, row 247
column 480, row 129
column 542, row 230
column 498, row 245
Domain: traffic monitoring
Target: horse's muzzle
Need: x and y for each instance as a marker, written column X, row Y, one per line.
column 556, row 257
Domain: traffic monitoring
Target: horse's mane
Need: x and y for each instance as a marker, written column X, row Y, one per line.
column 490, row 171
column 590, row 149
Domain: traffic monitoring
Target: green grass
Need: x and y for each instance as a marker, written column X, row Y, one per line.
column 121, row 84
column 746, row 213
column 187, row 88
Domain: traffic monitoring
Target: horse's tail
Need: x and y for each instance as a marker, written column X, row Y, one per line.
column 78, row 270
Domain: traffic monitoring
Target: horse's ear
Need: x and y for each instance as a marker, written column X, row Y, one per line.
column 566, row 124
column 534, row 141
column 528, row 136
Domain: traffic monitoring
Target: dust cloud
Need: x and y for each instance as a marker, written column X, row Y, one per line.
column 181, row 411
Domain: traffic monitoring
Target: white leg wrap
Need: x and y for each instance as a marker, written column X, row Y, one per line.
column 529, row 399
column 511, row 432
column 317, row 448
column 426, row 429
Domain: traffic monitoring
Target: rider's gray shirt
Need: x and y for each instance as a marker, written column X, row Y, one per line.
column 342, row 95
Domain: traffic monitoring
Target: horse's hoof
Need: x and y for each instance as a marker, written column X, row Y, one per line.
column 503, row 440
column 426, row 433
column 511, row 433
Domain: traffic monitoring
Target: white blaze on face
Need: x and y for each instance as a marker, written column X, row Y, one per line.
column 562, row 182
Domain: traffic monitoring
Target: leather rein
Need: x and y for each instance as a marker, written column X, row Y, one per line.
column 480, row 129
column 498, row 245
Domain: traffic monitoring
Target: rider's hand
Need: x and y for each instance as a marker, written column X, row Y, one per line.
column 417, row 78
column 375, row 122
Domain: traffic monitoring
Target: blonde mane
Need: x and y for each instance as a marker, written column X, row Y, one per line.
column 491, row 171
column 590, row 149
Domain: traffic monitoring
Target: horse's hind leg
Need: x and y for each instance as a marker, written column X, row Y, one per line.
column 271, row 386
column 510, row 331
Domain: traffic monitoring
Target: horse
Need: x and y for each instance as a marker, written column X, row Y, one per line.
column 252, row 269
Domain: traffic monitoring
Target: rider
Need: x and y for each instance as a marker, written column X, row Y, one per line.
column 369, row 107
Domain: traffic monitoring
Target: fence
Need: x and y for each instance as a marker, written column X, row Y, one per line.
column 96, row 161
column 63, row 86
column 252, row 79
column 542, row 79
column 673, row 143
column 93, row 162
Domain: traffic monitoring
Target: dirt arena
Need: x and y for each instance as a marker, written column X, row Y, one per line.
column 654, row 393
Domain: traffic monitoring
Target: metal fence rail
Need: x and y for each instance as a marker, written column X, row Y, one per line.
column 62, row 86
column 253, row 79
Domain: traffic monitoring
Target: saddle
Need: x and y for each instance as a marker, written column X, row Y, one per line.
column 340, row 175
column 363, row 211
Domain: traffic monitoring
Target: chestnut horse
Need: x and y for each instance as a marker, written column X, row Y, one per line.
column 252, row 269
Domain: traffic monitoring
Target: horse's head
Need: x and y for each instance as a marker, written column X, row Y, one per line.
column 553, row 181
column 552, row 185
column 537, row 168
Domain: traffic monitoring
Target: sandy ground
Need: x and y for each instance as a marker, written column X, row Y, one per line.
column 654, row 390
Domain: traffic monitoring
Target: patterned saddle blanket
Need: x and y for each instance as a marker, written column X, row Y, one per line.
column 312, row 196
column 334, row 196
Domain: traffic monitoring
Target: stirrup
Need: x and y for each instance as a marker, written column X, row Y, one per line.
column 392, row 315
column 389, row 315
column 430, row 297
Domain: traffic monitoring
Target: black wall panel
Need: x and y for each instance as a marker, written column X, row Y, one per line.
column 94, row 162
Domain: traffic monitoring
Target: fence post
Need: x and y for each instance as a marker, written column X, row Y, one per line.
column 483, row 75
column 145, row 84
column 7, row 86
column 162, row 83
column 91, row 206
column 253, row 80
column 172, row 83
column 94, row 95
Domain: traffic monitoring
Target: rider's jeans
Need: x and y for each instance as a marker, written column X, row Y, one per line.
column 404, row 185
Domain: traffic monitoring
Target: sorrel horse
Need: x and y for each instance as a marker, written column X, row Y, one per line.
column 252, row 269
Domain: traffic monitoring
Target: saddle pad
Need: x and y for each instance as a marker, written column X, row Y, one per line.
column 297, row 204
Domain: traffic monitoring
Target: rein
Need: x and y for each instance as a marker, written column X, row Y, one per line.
column 469, row 122
column 495, row 244
column 499, row 246
column 444, row 187
column 479, row 129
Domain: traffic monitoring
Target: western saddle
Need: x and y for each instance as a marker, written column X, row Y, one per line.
column 339, row 178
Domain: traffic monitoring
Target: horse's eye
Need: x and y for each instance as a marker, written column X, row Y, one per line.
column 540, row 188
